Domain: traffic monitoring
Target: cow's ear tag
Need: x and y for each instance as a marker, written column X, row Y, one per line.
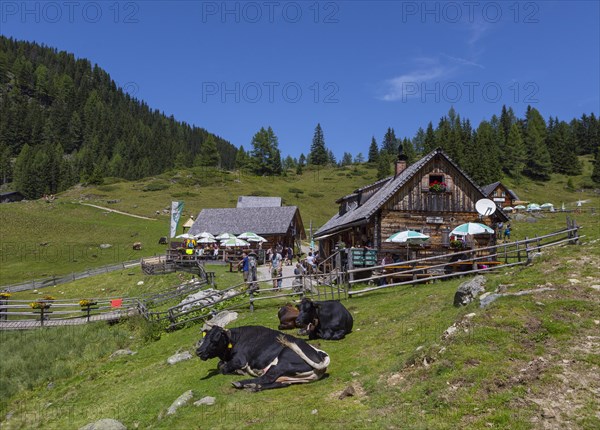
column 230, row 345
column 203, row 334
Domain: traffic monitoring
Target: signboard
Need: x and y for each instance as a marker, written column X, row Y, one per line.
column 434, row 220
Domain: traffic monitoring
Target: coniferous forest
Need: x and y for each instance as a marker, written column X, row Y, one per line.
column 64, row 121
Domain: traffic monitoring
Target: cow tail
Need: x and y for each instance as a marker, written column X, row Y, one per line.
column 291, row 345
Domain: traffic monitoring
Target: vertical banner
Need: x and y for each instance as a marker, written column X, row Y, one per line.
column 176, row 210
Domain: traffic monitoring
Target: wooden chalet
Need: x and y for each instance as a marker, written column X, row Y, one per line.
column 277, row 224
column 431, row 196
column 500, row 194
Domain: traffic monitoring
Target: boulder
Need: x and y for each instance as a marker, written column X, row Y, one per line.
column 182, row 356
column 469, row 290
column 121, row 352
column 182, row 400
column 105, row 245
column 105, row 424
column 208, row 401
column 221, row 319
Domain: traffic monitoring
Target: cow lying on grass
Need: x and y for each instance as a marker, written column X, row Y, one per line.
column 274, row 359
column 328, row 320
column 287, row 317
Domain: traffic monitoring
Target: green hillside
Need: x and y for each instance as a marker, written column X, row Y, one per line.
column 42, row 239
column 524, row 362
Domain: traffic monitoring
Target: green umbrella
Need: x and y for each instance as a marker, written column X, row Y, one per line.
column 471, row 228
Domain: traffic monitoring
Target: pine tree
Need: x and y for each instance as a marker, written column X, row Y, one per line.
column 318, row 152
column 346, row 159
column 487, row 168
column 359, row 159
column 208, row 155
column 265, row 156
column 241, row 158
column 373, row 151
column 5, row 164
column 419, row 141
column 430, row 142
column 24, row 175
column 331, row 158
column 389, row 144
column 383, row 166
column 409, row 151
column 538, row 163
column 515, row 155
column 560, row 143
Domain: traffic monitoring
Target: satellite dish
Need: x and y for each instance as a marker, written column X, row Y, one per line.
column 485, row 207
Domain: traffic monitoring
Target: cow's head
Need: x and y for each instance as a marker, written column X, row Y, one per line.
column 214, row 343
column 308, row 313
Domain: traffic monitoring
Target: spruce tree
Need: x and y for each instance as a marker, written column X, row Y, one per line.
column 208, row 155
column 515, row 155
column 429, row 142
column 596, row 171
column 373, row 151
column 383, row 166
column 539, row 164
column 560, row 142
column 318, row 152
column 419, row 141
column 409, row 151
column 389, row 145
column 346, row 159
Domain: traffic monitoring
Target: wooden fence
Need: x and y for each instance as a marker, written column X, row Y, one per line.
column 475, row 261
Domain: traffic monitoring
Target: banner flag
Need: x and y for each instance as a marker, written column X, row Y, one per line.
column 176, row 210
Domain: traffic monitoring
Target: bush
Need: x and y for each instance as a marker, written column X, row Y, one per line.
column 156, row 186
column 184, row 194
column 316, row 195
column 259, row 193
column 107, row 188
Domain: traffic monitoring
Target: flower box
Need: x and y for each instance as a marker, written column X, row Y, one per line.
column 438, row 187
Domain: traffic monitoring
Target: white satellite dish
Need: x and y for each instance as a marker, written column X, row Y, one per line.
column 485, row 207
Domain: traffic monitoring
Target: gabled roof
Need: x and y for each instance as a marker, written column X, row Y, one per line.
column 258, row 202
column 487, row 190
column 391, row 185
column 261, row 220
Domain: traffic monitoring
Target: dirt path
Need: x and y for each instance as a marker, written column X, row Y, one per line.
column 118, row 212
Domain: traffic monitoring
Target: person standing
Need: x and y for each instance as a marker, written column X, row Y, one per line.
column 245, row 266
column 276, row 263
column 507, row 233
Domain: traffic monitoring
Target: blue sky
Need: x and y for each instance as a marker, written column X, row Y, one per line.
column 355, row 67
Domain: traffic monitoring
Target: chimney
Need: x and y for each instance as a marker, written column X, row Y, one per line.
column 400, row 162
column 400, row 166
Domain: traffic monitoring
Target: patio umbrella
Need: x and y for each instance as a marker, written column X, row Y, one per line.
column 248, row 235
column 547, row 206
column 256, row 238
column 471, row 228
column 206, row 240
column 205, row 234
column 186, row 236
column 533, row 207
column 507, row 209
column 408, row 237
column 225, row 236
column 229, row 243
column 519, row 207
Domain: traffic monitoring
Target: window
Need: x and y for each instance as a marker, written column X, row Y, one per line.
column 435, row 179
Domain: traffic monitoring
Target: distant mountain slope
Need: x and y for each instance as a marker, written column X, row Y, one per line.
column 65, row 121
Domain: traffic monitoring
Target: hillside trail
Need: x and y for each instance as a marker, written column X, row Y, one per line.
column 116, row 211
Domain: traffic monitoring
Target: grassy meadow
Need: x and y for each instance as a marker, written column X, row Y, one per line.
column 524, row 362
column 509, row 365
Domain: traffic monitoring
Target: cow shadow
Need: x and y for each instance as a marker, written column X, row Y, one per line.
column 210, row 374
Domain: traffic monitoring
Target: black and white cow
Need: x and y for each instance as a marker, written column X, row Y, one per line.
column 328, row 320
column 274, row 359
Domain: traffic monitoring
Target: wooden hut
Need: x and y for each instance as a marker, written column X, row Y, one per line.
column 278, row 224
column 431, row 196
column 500, row 194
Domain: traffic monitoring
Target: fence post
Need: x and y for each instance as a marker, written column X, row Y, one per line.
column 527, row 250
column 251, row 300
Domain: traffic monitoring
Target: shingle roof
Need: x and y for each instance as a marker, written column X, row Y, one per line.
column 487, row 189
column 258, row 202
column 386, row 191
column 261, row 220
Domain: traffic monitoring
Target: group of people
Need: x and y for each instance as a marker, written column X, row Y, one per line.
column 276, row 258
column 192, row 247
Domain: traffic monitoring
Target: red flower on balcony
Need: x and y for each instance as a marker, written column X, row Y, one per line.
column 437, row 187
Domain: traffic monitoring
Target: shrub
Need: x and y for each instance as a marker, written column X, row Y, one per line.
column 316, row 195
column 156, row 186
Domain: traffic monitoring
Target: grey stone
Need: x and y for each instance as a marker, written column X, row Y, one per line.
column 105, row 245
column 469, row 290
column 105, row 424
column 182, row 400
column 450, row 331
column 531, row 219
column 221, row 319
column 208, row 401
column 121, row 352
column 182, row 356
column 489, row 299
